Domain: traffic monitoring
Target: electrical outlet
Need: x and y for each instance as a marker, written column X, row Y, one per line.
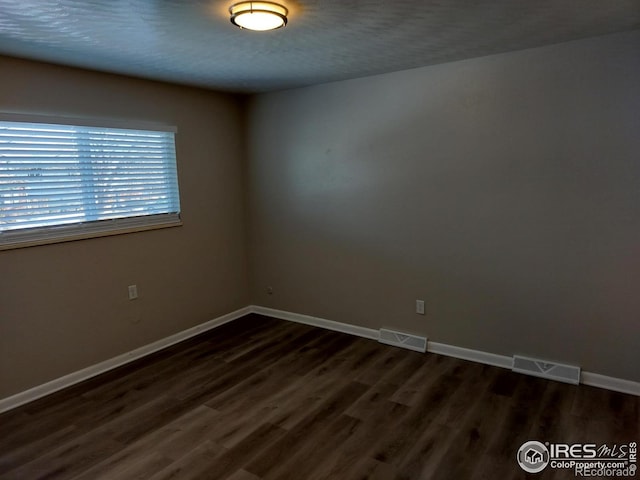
column 269, row 290
column 133, row 292
column 420, row 307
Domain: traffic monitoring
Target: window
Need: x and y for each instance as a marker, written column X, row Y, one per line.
column 62, row 182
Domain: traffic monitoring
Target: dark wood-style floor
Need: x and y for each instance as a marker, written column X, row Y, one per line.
column 266, row 399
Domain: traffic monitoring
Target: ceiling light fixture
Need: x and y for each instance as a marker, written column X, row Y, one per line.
column 260, row 16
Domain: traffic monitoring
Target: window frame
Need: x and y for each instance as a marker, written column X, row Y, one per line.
column 34, row 236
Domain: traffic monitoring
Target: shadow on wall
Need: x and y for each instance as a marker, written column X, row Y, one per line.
column 493, row 198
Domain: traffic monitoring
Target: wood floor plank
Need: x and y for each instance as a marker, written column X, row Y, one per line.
column 31, row 429
column 370, row 469
column 474, row 435
column 290, row 364
column 422, row 460
column 138, row 468
column 555, row 415
column 67, row 460
column 475, row 381
column 198, row 460
column 312, row 454
column 381, row 413
column 418, row 379
column 11, row 458
column 170, row 442
column 264, row 399
column 311, row 424
column 247, row 364
column 242, row 475
column 243, row 453
column 283, row 406
column 398, row 442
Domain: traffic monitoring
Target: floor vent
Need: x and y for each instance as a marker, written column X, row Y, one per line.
column 404, row 340
column 550, row 370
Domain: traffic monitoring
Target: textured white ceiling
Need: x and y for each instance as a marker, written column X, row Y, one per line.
column 192, row 41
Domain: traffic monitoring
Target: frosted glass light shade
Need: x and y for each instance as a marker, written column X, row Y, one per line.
column 259, row 16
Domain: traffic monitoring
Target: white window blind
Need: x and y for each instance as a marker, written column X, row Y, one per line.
column 65, row 182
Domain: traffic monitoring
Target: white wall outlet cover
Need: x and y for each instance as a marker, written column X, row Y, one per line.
column 133, row 292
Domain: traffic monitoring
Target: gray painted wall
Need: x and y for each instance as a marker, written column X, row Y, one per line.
column 504, row 191
column 64, row 307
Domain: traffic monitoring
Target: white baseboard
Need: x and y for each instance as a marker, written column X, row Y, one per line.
column 610, row 383
column 587, row 378
column 8, row 403
column 317, row 322
column 472, row 355
column 32, row 394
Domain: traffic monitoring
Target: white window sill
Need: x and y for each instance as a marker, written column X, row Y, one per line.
column 69, row 233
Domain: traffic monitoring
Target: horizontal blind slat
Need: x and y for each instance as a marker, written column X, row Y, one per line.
column 44, row 182
column 154, row 203
column 52, row 175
